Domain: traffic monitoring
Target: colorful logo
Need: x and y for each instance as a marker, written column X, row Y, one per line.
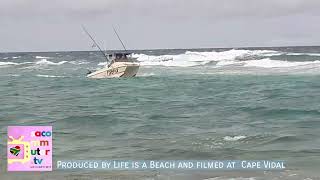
column 29, row 148
column 15, row 150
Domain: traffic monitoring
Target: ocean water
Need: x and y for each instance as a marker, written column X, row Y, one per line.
column 249, row 103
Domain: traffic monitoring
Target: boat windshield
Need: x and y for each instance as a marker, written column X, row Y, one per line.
column 121, row 57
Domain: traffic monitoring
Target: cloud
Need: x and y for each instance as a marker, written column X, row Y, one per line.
column 179, row 9
column 143, row 24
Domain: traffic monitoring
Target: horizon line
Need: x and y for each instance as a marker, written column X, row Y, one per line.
column 240, row 47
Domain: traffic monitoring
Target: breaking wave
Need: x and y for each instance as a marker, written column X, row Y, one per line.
column 42, row 57
column 199, row 58
column 217, row 59
column 46, row 62
column 48, row 76
column 8, row 63
column 303, row 54
column 146, row 74
column 233, row 138
column 12, row 75
column 42, row 62
column 243, row 58
column 268, row 63
column 234, row 178
column 103, row 63
column 79, row 62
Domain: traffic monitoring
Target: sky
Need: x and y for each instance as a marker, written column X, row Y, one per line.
column 55, row 25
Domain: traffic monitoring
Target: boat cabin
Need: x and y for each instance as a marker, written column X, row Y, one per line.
column 120, row 57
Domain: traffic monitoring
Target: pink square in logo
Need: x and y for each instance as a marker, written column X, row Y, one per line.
column 29, row 148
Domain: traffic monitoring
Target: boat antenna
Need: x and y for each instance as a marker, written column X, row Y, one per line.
column 124, row 47
column 95, row 43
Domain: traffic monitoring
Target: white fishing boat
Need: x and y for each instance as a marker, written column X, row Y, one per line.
column 118, row 64
column 122, row 65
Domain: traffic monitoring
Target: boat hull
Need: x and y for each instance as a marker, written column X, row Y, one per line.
column 116, row 71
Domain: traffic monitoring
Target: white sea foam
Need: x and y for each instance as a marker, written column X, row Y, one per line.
column 233, row 138
column 42, row 57
column 11, row 75
column 190, row 58
column 234, row 57
column 268, row 63
column 224, row 58
column 13, row 63
column 79, row 62
column 231, row 62
column 146, row 74
column 14, row 75
column 234, row 178
column 305, row 54
column 48, row 76
column 103, row 63
column 276, row 53
column 46, row 62
column 8, row 63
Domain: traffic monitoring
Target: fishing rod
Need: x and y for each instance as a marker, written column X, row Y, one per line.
column 124, row 47
column 95, row 43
